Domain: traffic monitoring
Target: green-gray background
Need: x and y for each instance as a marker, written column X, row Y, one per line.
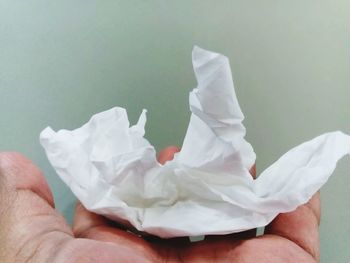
column 62, row 61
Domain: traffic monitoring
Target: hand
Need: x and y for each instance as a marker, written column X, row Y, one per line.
column 31, row 230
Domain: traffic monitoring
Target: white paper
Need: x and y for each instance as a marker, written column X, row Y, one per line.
column 207, row 188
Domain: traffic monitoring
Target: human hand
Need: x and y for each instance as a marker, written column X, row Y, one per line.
column 31, row 230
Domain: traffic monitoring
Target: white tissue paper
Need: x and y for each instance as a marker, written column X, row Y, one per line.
column 207, row 188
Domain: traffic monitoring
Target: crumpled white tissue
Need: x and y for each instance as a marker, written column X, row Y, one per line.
column 207, row 188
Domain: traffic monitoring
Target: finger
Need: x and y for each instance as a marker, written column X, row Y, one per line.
column 167, row 154
column 28, row 220
column 253, row 171
column 300, row 226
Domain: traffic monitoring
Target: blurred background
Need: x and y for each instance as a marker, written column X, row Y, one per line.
column 62, row 61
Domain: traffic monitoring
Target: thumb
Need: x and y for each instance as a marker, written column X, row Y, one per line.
column 18, row 173
column 27, row 217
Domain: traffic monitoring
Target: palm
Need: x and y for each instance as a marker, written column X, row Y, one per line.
column 268, row 248
column 232, row 248
column 33, row 231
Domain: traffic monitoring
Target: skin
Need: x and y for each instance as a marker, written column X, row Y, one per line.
column 31, row 230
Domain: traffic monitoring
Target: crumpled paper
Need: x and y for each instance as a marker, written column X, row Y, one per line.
column 207, row 188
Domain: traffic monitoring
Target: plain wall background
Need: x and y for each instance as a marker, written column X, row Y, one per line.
column 62, row 61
